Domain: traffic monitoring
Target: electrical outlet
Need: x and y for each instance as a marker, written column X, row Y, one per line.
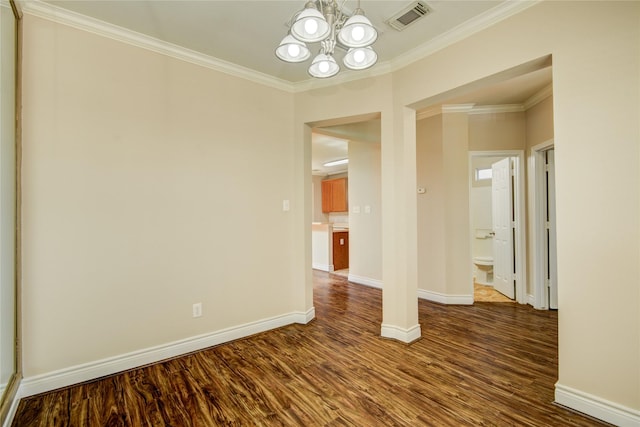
column 197, row 309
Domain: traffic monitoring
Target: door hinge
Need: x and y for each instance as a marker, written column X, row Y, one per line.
column 547, row 225
column 547, row 167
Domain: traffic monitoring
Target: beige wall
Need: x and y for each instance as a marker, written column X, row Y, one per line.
column 144, row 192
column 431, row 212
column 497, row 131
column 365, row 225
column 106, row 183
column 592, row 115
column 540, row 123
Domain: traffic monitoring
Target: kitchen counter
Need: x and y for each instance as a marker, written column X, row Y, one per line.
column 322, row 244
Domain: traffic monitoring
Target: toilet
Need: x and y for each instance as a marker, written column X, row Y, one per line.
column 484, row 270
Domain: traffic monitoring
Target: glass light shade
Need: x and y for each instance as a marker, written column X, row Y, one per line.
column 292, row 50
column 310, row 26
column 357, row 31
column 360, row 58
column 323, row 66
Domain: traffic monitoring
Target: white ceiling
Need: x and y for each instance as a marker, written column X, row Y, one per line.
column 246, row 33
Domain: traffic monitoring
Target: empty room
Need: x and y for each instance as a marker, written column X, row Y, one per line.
column 158, row 204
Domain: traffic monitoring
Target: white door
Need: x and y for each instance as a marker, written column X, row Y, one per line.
column 552, row 266
column 502, row 212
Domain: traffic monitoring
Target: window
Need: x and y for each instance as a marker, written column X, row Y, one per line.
column 482, row 174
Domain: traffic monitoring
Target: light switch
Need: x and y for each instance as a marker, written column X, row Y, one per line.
column 286, row 206
column 356, row 209
column 367, row 209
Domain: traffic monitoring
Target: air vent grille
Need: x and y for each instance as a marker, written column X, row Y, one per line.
column 409, row 15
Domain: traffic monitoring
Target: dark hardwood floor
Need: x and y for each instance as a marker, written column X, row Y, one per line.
column 489, row 364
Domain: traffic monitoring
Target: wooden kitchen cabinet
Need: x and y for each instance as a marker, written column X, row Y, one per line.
column 340, row 250
column 334, row 195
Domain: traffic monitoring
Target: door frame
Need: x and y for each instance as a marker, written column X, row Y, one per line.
column 537, row 222
column 520, row 235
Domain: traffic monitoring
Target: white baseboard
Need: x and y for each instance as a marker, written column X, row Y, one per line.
column 401, row 334
column 12, row 409
column 112, row 365
column 367, row 281
column 322, row 267
column 531, row 300
column 445, row 298
column 596, row 407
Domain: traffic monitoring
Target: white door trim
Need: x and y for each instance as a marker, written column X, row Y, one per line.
column 536, row 222
column 519, row 244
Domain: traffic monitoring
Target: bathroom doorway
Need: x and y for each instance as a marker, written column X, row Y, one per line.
column 496, row 201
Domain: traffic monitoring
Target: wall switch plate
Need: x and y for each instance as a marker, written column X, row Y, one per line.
column 197, row 309
column 356, row 209
column 286, row 206
column 367, row 209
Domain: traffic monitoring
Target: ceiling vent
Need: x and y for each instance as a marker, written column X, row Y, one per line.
column 408, row 15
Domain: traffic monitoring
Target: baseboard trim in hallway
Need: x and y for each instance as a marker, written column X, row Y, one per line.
column 112, row 365
column 445, row 298
column 596, row 407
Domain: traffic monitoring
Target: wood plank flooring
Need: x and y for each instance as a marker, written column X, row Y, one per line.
column 488, row 364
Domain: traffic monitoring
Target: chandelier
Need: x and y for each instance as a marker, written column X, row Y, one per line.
column 323, row 21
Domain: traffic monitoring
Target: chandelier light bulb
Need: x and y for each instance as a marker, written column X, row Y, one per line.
column 357, row 33
column 294, row 50
column 310, row 26
column 360, row 58
column 323, row 66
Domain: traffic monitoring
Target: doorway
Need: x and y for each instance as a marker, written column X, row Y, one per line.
column 543, row 226
column 356, row 232
column 497, row 230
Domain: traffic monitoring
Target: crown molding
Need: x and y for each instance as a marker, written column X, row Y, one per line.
column 471, row 109
column 429, row 112
column 443, row 109
column 468, row 28
column 457, row 108
column 59, row 15
column 493, row 109
column 537, row 98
